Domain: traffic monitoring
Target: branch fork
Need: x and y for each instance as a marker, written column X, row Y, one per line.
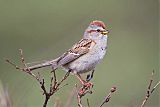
column 54, row 84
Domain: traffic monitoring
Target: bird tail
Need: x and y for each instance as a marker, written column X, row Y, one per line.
column 52, row 63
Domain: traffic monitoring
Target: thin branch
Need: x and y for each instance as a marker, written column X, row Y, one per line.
column 64, row 78
column 79, row 101
column 85, row 88
column 22, row 59
column 54, row 85
column 155, row 87
column 88, row 102
column 14, row 65
column 55, row 79
column 149, row 90
column 108, row 97
column 78, row 97
column 82, row 92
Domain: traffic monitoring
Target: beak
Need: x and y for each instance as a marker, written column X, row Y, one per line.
column 105, row 32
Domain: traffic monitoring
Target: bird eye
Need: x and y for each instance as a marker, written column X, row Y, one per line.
column 98, row 30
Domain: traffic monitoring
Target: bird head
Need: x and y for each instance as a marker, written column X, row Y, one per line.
column 96, row 29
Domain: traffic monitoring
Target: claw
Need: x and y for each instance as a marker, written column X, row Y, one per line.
column 86, row 88
column 88, row 85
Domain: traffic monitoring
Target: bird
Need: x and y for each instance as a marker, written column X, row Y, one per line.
column 84, row 55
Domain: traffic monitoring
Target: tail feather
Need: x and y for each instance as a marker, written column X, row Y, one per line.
column 52, row 63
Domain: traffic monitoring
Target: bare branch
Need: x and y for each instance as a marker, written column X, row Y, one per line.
column 54, row 85
column 64, row 78
column 108, row 97
column 78, row 97
column 79, row 100
column 149, row 90
column 155, row 87
column 14, row 65
column 22, row 59
column 88, row 102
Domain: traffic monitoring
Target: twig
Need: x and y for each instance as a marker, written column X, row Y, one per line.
column 79, row 100
column 155, row 87
column 108, row 97
column 22, row 59
column 85, row 88
column 54, row 85
column 149, row 90
column 88, row 102
column 78, row 97
column 82, row 92
column 55, row 79
column 64, row 78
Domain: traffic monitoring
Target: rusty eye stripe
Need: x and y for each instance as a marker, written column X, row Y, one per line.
column 93, row 31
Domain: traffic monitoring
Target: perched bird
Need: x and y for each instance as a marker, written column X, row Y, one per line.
column 85, row 54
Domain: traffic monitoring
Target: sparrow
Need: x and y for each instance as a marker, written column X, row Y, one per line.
column 85, row 54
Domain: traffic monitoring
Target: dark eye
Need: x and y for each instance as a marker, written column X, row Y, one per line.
column 98, row 30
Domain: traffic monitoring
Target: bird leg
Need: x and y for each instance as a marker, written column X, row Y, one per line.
column 86, row 86
column 90, row 76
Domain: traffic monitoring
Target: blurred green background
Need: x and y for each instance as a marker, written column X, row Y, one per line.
column 44, row 29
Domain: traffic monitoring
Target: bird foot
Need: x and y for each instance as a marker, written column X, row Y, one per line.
column 87, row 85
column 86, row 88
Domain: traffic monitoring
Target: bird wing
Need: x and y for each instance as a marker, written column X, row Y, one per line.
column 79, row 49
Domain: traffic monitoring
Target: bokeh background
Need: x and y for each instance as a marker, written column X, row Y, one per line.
column 44, row 29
